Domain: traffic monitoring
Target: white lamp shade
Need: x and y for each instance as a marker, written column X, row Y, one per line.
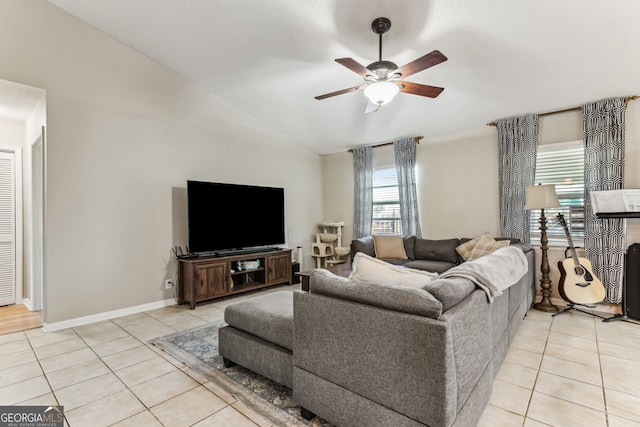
column 381, row 93
column 541, row 197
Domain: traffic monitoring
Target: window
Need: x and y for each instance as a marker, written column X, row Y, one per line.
column 561, row 164
column 386, row 202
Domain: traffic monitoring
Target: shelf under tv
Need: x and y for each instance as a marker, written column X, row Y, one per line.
column 209, row 277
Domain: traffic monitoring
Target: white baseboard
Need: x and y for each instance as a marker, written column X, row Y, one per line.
column 27, row 303
column 79, row 321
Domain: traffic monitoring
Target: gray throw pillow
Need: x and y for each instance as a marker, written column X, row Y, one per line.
column 410, row 247
column 364, row 245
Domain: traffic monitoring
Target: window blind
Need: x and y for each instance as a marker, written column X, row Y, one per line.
column 561, row 164
column 386, row 202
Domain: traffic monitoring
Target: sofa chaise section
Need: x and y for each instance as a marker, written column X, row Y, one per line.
column 259, row 336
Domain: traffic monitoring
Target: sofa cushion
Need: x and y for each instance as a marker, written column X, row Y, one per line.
column 436, row 250
column 450, row 291
column 396, row 261
column 389, row 247
column 391, row 297
column 409, row 246
column 367, row 269
column 429, row 265
column 268, row 316
column 482, row 248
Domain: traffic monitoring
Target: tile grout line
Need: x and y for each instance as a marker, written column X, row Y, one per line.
column 178, row 369
column 604, row 394
column 533, row 387
column 44, row 374
column 126, row 387
column 54, row 392
column 605, row 413
column 113, row 372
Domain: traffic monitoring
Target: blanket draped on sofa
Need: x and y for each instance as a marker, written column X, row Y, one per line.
column 494, row 272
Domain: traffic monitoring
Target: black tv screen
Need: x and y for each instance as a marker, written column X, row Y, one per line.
column 229, row 216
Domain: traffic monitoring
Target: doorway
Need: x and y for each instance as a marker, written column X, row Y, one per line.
column 22, row 121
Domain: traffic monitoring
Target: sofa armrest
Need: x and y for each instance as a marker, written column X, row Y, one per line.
column 472, row 331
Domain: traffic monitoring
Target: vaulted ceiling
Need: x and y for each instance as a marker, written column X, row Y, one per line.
column 270, row 58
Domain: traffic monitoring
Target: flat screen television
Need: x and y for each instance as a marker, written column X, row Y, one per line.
column 224, row 217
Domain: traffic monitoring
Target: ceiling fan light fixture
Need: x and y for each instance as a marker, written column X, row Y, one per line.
column 381, row 93
column 382, row 78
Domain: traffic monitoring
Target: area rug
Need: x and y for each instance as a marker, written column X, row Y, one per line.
column 198, row 349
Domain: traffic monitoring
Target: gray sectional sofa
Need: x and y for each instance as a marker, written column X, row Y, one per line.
column 385, row 357
column 361, row 354
column 423, row 254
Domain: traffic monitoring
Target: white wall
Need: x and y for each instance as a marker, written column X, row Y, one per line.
column 457, row 185
column 458, row 179
column 12, row 133
column 123, row 133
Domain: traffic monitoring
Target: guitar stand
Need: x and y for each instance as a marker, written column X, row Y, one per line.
column 572, row 306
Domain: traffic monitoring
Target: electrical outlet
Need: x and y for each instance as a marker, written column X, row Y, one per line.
column 168, row 284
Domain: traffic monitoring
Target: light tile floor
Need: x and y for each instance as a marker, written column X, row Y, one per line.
column 571, row 370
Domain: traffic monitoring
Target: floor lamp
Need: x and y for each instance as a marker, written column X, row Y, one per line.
column 543, row 197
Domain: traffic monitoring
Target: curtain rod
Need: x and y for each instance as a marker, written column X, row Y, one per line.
column 382, row 144
column 626, row 100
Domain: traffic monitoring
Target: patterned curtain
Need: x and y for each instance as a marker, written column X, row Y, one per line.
column 517, row 147
column 405, row 153
column 604, row 140
column 363, row 191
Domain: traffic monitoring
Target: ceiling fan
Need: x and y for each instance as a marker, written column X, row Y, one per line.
column 382, row 78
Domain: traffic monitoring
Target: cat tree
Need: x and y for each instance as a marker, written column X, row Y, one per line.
column 328, row 249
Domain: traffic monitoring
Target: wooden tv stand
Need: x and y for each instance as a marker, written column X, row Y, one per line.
column 205, row 278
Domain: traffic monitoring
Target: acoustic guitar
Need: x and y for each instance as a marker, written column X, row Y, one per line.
column 578, row 284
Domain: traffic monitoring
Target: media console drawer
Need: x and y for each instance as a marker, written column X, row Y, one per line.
column 206, row 278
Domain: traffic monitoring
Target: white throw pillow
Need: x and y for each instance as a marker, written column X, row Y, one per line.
column 367, row 269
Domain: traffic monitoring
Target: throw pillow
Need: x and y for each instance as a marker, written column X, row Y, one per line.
column 409, row 247
column 485, row 248
column 465, row 249
column 389, row 247
column 364, row 245
column 366, row 269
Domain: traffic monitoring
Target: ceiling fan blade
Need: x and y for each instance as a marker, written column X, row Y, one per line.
column 418, row 89
column 354, row 66
column 371, row 108
column 338, row 92
column 422, row 63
